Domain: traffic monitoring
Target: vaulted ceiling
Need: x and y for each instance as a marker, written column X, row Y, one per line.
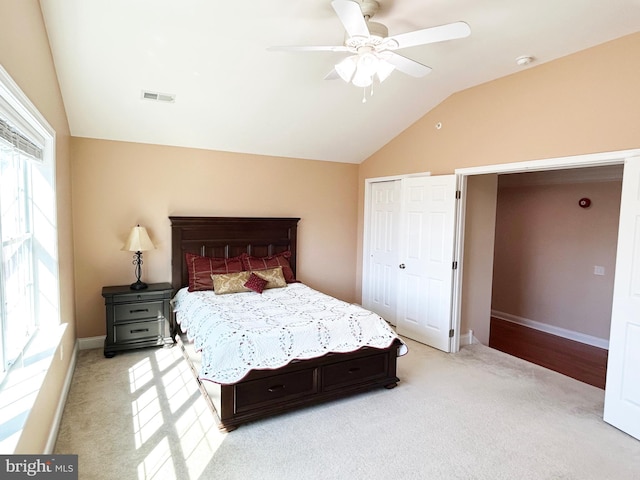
column 232, row 94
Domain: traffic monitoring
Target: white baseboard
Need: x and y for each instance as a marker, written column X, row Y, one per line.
column 53, row 434
column 553, row 330
column 468, row 339
column 89, row 343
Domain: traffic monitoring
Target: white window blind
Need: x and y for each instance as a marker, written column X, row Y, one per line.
column 13, row 138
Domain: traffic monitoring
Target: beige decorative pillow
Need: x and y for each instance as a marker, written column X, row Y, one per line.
column 201, row 269
column 230, row 282
column 234, row 282
column 273, row 276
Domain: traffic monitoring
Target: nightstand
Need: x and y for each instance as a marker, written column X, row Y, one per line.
column 137, row 318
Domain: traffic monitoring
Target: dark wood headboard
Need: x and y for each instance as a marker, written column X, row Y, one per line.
column 227, row 237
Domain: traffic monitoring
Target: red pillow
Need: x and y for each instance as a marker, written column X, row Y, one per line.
column 277, row 260
column 255, row 283
column 201, row 268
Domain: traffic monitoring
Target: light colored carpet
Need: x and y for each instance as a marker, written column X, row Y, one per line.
column 478, row 414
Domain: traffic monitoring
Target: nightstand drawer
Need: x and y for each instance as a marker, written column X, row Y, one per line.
column 131, row 332
column 138, row 311
column 145, row 296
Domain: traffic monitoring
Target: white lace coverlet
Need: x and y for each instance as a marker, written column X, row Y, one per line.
column 239, row 332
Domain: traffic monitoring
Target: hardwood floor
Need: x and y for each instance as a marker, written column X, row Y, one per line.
column 574, row 359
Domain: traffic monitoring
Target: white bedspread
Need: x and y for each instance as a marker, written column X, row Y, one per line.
column 239, row 332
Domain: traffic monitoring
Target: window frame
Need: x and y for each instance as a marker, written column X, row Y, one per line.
column 20, row 113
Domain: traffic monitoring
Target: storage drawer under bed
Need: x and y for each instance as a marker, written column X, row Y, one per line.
column 354, row 371
column 267, row 391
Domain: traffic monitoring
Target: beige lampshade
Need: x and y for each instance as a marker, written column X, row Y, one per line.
column 138, row 240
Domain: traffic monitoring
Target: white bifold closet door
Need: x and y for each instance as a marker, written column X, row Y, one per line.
column 411, row 246
column 384, row 232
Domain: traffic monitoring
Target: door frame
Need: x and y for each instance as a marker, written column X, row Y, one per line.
column 462, row 174
column 366, row 231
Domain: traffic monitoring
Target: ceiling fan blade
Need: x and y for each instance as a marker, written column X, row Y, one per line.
column 351, row 17
column 310, row 48
column 451, row 31
column 332, row 75
column 406, row 65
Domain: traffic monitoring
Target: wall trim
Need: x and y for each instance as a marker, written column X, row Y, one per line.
column 575, row 161
column 57, row 418
column 553, row 330
column 468, row 339
column 89, row 343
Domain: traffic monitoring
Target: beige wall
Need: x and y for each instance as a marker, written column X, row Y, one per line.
column 118, row 184
column 25, row 55
column 546, row 249
column 584, row 103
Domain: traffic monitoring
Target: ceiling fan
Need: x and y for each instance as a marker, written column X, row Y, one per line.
column 373, row 52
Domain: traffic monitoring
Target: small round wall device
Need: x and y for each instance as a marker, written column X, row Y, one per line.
column 584, row 202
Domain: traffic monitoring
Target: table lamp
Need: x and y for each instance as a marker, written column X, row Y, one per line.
column 138, row 242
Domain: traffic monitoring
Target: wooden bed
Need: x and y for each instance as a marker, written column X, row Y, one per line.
column 265, row 393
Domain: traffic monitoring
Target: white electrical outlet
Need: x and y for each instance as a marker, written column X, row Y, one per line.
column 598, row 270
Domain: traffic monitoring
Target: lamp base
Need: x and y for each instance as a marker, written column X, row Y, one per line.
column 138, row 285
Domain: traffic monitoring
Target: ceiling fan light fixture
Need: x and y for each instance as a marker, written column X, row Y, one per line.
column 360, row 70
column 346, row 68
column 362, row 79
column 384, row 70
column 368, row 64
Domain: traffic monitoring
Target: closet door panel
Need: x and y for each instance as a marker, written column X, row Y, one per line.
column 426, row 254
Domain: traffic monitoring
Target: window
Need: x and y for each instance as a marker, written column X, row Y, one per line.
column 16, row 275
column 28, row 239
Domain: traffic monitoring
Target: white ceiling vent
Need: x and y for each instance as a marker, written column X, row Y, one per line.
column 158, row 97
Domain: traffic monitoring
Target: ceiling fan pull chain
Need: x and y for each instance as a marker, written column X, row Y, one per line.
column 364, row 95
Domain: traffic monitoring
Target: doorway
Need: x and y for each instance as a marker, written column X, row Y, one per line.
column 554, row 265
column 622, row 396
column 476, row 225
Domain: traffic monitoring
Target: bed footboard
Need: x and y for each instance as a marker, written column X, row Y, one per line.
column 264, row 393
